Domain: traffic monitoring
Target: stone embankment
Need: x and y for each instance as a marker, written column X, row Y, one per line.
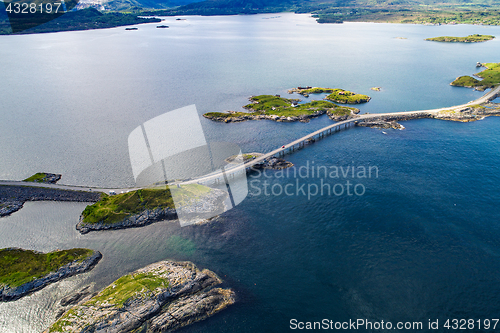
column 76, row 267
column 161, row 297
column 13, row 197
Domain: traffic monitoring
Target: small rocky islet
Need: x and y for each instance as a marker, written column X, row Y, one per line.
column 142, row 207
column 488, row 78
column 475, row 38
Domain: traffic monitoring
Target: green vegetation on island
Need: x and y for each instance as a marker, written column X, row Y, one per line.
column 335, row 95
column 490, row 78
column 127, row 12
column 313, row 90
column 37, row 177
column 129, row 286
column 115, row 208
column 19, row 266
column 347, row 97
column 284, row 107
column 469, row 39
column 43, row 177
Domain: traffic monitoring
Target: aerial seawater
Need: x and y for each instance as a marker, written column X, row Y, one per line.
column 420, row 242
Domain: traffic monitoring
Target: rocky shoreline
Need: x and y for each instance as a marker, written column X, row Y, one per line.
column 8, row 294
column 210, row 202
column 13, row 197
column 471, row 113
column 173, row 295
column 249, row 116
column 465, row 114
column 381, row 124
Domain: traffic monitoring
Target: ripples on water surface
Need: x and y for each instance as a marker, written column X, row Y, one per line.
column 422, row 243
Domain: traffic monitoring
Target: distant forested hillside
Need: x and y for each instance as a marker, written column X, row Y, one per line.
column 337, row 11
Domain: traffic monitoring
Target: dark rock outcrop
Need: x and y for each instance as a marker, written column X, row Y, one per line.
column 9, row 207
column 274, row 163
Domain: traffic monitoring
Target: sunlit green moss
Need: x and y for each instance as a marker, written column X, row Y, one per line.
column 18, row 266
column 112, row 209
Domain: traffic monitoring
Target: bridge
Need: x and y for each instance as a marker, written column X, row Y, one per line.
column 231, row 172
column 336, row 127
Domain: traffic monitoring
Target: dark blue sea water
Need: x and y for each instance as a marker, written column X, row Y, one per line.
column 419, row 244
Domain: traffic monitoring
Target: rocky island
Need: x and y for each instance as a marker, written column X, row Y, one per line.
column 146, row 206
column 490, row 78
column 476, row 38
column 13, row 197
column 161, row 297
column 277, row 108
column 25, row 271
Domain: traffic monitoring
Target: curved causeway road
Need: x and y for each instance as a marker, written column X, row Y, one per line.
column 242, row 168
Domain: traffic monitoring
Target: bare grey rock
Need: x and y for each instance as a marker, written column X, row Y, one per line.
column 162, row 296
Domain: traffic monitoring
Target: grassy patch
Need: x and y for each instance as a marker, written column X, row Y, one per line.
column 112, row 209
column 271, row 105
column 18, row 266
column 348, row 97
column 315, row 90
column 465, row 81
column 490, row 78
column 469, row 39
column 37, row 177
column 128, row 288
